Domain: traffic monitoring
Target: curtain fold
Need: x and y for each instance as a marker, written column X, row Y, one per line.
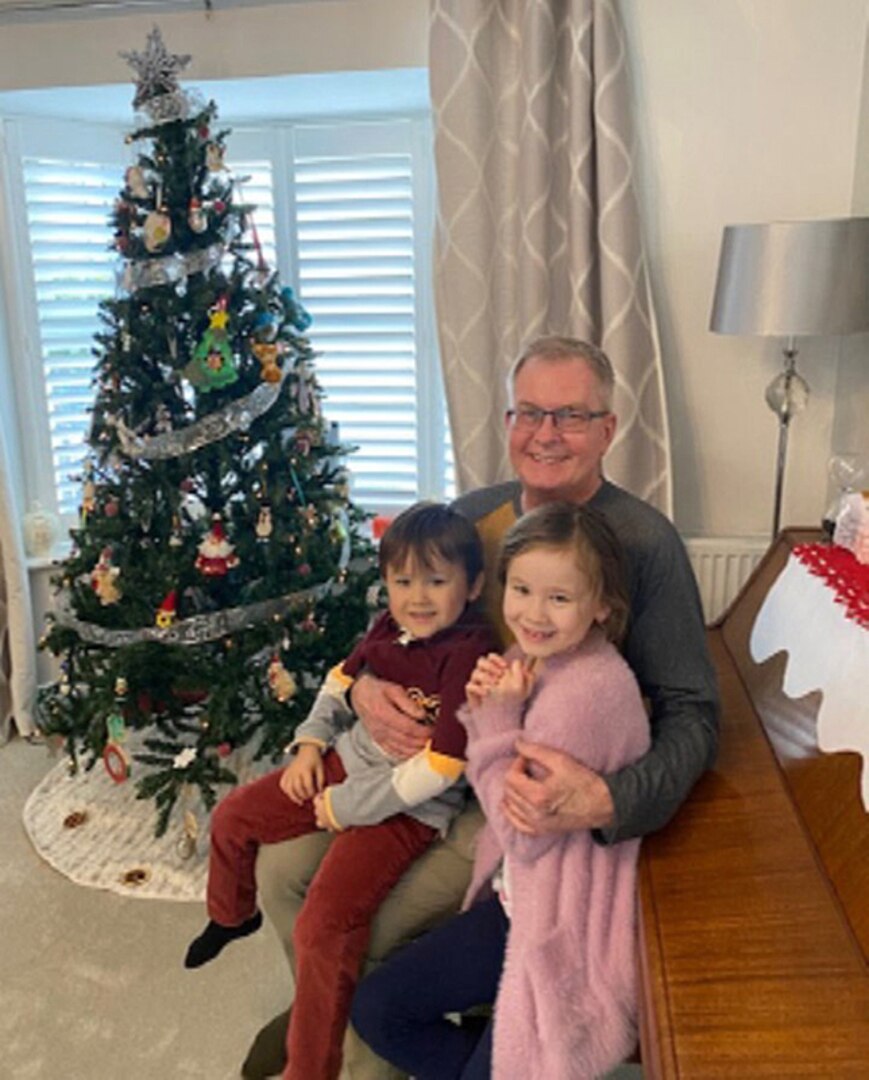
column 17, row 652
column 538, row 228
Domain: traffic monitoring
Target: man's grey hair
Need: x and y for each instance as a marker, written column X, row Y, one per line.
column 556, row 347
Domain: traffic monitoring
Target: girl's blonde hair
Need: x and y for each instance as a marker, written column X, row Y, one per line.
column 598, row 553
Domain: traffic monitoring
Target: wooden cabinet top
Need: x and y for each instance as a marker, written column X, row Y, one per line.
column 754, row 901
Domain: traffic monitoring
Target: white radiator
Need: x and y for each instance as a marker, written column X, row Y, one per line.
column 722, row 565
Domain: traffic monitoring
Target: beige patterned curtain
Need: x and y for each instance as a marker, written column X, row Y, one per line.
column 538, row 228
column 17, row 655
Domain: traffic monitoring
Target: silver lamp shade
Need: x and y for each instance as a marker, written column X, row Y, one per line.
column 792, row 279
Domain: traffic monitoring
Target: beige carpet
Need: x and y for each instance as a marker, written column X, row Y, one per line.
column 92, row 985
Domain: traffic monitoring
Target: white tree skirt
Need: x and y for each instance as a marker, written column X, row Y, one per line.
column 115, row 848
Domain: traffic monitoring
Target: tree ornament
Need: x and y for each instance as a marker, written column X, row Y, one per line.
column 216, row 555
column 294, row 312
column 162, row 419
column 197, row 219
column 115, row 757
column 186, row 846
column 158, row 72
column 212, row 365
column 104, row 578
column 264, row 524
column 281, row 682
column 135, row 179
column 158, row 229
column 267, row 353
column 265, row 326
column 88, row 496
column 167, row 610
column 214, row 157
column 184, row 757
column 176, row 540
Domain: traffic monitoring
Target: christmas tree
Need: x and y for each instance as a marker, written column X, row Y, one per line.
column 219, row 567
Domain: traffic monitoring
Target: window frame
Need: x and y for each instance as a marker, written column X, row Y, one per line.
column 272, row 139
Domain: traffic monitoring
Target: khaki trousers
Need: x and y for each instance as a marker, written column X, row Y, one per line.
column 429, row 892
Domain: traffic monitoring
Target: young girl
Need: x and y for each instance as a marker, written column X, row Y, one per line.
column 384, row 813
column 548, row 930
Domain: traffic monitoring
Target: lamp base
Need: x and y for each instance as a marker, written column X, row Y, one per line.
column 787, row 395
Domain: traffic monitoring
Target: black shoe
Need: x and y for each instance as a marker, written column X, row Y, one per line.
column 213, row 938
column 268, row 1051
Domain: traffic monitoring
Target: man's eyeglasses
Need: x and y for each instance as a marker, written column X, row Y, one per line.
column 573, row 421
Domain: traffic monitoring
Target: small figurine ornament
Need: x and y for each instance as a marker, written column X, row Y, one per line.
column 136, row 182
column 176, row 540
column 104, row 578
column 214, row 157
column 264, row 525
column 162, row 419
column 267, row 353
column 197, row 219
column 281, row 681
column 166, row 612
column 216, row 555
column 88, row 496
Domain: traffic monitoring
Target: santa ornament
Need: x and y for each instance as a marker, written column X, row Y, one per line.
column 167, row 611
column 196, row 217
column 216, row 555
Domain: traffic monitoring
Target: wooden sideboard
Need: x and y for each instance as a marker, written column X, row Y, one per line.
column 754, row 901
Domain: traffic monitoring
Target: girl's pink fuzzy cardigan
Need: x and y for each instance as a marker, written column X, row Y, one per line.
column 567, row 1000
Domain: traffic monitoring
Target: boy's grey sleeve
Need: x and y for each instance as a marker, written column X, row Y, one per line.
column 329, row 716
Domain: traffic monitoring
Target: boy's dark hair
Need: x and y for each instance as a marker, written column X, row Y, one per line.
column 598, row 551
column 429, row 530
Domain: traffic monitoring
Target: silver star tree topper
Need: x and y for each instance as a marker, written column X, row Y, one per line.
column 157, row 70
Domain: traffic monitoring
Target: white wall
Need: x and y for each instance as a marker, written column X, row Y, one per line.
column 747, row 110
column 327, row 35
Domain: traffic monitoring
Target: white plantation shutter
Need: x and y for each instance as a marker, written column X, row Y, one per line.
column 68, row 200
column 342, row 210
column 362, row 241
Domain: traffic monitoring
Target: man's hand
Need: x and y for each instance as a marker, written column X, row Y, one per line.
column 303, row 777
column 548, row 791
column 390, row 716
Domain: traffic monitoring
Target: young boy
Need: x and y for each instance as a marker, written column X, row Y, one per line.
column 384, row 814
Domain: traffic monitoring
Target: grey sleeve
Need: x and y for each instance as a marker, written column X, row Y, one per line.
column 329, row 716
column 666, row 648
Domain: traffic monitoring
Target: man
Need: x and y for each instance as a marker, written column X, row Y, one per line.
column 560, row 425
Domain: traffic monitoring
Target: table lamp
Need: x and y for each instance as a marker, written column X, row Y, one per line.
column 792, row 279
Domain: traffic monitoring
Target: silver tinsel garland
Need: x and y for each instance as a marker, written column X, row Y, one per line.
column 196, row 630
column 143, row 274
column 237, row 416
